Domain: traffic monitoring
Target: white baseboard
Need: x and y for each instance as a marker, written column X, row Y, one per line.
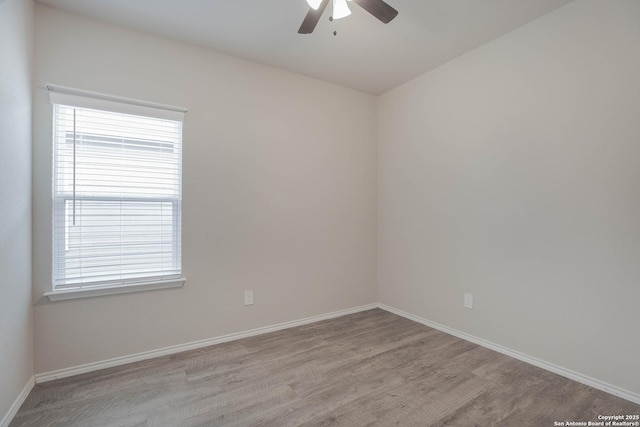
column 8, row 417
column 567, row 373
column 90, row 367
column 95, row 366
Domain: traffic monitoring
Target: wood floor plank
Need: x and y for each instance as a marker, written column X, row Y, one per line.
column 367, row 369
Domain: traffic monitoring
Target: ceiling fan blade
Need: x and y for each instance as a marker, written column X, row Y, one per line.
column 312, row 18
column 379, row 9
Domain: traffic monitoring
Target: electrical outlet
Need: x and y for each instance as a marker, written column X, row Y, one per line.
column 468, row 301
column 248, row 297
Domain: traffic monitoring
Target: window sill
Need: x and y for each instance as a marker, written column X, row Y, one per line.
column 114, row 290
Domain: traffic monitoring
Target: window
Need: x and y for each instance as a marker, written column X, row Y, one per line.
column 117, row 193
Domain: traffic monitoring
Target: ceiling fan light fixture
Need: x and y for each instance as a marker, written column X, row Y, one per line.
column 340, row 9
column 314, row 4
column 378, row 8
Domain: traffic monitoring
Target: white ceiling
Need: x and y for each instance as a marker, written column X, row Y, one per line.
column 365, row 55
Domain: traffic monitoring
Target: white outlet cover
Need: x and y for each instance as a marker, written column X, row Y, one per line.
column 468, row 301
column 248, row 297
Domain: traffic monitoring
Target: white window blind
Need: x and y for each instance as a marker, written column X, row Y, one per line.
column 117, row 191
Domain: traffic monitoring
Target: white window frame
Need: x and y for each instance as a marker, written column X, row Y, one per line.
column 60, row 95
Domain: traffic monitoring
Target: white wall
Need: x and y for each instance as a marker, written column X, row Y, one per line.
column 279, row 193
column 513, row 173
column 16, row 326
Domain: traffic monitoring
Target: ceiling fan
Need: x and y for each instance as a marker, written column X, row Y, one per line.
column 377, row 8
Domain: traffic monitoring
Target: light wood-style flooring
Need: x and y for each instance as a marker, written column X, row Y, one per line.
column 370, row 368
